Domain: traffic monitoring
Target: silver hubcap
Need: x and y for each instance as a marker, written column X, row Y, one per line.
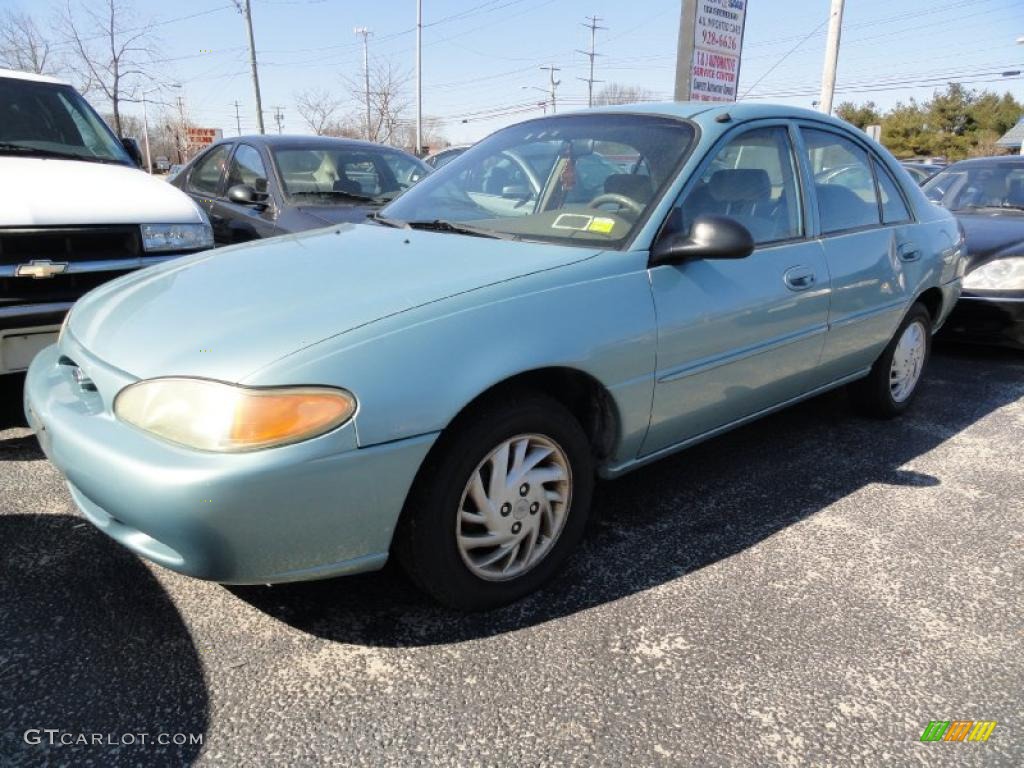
column 907, row 361
column 514, row 507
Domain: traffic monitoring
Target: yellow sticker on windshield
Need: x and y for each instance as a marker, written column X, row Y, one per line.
column 602, row 225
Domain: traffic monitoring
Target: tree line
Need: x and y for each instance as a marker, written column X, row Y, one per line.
column 955, row 123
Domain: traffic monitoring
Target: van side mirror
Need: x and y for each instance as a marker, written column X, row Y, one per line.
column 711, row 237
column 131, row 146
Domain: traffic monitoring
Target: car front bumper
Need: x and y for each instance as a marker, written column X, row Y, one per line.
column 310, row 510
column 978, row 319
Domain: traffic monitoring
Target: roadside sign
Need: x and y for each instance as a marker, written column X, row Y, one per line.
column 710, row 49
column 198, row 138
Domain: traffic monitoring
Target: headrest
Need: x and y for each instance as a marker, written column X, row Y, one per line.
column 740, row 184
column 631, row 185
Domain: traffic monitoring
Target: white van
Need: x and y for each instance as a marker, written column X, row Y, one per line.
column 75, row 211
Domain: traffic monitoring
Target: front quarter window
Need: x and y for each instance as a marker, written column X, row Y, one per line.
column 576, row 180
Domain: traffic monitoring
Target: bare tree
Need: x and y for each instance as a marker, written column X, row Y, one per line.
column 23, row 47
column 108, row 54
column 317, row 107
column 389, row 100
column 347, row 127
column 617, row 93
column 432, row 134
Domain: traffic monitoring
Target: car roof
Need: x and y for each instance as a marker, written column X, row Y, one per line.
column 983, row 161
column 740, row 110
column 293, row 141
column 14, row 74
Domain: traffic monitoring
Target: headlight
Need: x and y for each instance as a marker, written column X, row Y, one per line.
column 998, row 275
column 176, row 237
column 213, row 416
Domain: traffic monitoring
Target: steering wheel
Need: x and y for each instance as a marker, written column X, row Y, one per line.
column 621, row 200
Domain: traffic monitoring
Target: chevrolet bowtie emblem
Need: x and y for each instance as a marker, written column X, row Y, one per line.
column 41, row 268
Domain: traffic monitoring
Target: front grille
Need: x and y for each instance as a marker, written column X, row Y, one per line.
column 70, row 244
column 60, row 288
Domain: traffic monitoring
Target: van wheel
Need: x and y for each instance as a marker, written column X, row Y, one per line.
column 893, row 382
column 500, row 505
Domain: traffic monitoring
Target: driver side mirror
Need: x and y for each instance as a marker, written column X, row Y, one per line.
column 243, row 194
column 711, row 237
column 131, row 146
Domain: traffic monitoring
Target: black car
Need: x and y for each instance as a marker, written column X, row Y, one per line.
column 987, row 196
column 261, row 186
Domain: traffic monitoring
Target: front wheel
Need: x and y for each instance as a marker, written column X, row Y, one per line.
column 499, row 505
column 893, row 382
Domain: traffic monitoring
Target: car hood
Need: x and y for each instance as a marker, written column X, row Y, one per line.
column 226, row 313
column 46, row 192
column 992, row 235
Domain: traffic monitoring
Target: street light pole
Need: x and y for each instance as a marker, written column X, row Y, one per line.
column 828, row 75
column 419, row 78
column 366, row 72
column 145, row 135
column 551, row 69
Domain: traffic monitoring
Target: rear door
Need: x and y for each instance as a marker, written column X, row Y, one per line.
column 866, row 231
column 736, row 337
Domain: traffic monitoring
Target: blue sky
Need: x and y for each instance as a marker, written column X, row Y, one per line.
column 478, row 56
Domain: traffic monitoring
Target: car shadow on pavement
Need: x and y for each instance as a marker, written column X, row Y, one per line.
column 681, row 514
column 90, row 645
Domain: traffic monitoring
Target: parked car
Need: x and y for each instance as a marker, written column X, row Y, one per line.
column 445, row 156
column 987, row 196
column 261, row 186
column 75, row 211
column 921, row 171
column 444, row 381
column 161, row 164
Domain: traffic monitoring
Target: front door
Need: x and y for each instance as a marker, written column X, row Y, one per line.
column 236, row 222
column 736, row 337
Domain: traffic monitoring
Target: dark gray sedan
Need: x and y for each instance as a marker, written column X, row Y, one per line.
column 261, row 186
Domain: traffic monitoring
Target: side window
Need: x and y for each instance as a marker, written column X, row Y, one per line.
column 205, row 176
column 843, row 182
column 363, row 172
column 247, row 168
column 894, row 210
column 753, row 180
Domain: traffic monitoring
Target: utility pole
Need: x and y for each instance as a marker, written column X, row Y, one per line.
column 366, row 72
column 551, row 69
column 593, row 27
column 828, row 75
column 419, row 78
column 278, row 118
column 238, row 118
column 246, row 10
column 183, row 131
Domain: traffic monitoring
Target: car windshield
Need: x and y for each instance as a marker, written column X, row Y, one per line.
column 52, row 120
column 576, row 179
column 324, row 176
column 964, row 187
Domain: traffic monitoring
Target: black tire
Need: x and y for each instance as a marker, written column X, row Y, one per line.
column 425, row 542
column 873, row 394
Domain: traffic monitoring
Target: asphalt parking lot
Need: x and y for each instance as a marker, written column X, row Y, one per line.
column 812, row 589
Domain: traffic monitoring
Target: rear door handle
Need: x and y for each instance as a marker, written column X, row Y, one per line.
column 798, row 278
column 909, row 252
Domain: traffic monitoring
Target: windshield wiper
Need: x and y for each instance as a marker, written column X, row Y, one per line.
column 342, row 194
column 387, row 222
column 443, row 225
column 7, row 146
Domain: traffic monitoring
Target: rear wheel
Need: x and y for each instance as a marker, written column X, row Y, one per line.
column 893, row 382
column 499, row 505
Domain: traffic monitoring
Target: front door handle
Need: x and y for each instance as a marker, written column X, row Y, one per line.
column 798, row 278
